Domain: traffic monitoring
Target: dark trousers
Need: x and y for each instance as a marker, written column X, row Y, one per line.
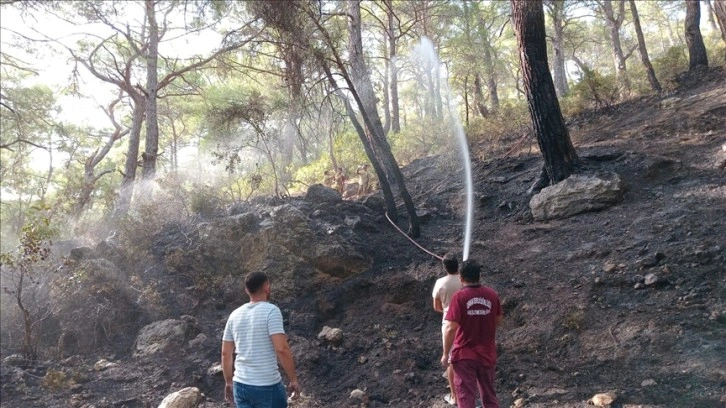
column 251, row 396
column 471, row 377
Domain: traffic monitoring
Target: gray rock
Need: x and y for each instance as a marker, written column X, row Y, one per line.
column 318, row 193
column 603, row 399
column 375, row 203
column 164, row 335
column 331, row 335
column 103, row 364
column 81, row 253
column 198, row 341
column 577, row 194
column 14, row 360
column 359, row 395
column 648, row 383
column 96, row 285
column 609, row 267
column 215, row 370
column 651, row 279
column 189, row 397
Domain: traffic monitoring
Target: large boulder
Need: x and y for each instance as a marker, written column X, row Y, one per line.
column 577, row 194
column 280, row 241
column 165, row 335
column 95, row 305
column 189, row 397
column 318, row 193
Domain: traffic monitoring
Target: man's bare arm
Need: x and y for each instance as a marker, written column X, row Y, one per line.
column 284, row 354
column 228, row 368
column 449, row 334
column 438, row 306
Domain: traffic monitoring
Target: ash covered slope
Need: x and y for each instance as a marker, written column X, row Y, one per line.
column 630, row 299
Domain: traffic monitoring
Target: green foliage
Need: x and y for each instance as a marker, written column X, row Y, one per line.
column 670, row 65
column 23, row 279
column 573, row 321
column 204, row 201
column 593, row 90
column 497, row 131
column 422, row 138
column 311, row 174
column 55, row 380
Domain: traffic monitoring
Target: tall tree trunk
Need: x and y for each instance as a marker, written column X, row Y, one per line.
column 492, row 81
column 481, row 108
column 560, row 158
column 152, row 81
column 719, row 7
column 368, row 144
column 395, row 109
column 385, row 89
column 614, row 22
column 364, row 89
column 696, row 49
column 643, row 51
column 709, row 15
column 466, row 99
column 558, row 66
column 132, row 157
column 438, row 100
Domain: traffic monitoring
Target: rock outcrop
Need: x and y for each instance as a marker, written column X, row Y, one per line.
column 281, row 241
column 577, row 194
column 165, row 335
column 185, row 398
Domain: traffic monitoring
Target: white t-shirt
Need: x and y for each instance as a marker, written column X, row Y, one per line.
column 250, row 327
column 445, row 288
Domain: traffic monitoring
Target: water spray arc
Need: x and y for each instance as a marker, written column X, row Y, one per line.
column 426, row 51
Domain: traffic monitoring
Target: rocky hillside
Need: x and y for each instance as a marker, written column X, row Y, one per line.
column 629, row 299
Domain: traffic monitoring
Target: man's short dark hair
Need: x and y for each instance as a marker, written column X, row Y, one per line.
column 470, row 271
column 254, row 281
column 451, row 263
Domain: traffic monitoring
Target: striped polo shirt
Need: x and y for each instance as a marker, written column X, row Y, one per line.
column 250, row 327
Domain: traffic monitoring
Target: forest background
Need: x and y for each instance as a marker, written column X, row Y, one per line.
column 140, row 111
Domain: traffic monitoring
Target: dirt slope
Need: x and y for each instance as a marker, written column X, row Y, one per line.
column 575, row 324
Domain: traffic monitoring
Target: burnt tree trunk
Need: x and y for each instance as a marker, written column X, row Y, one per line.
column 492, row 81
column 366, row 99
column 643, row 51
column 560, row 158
column 481, row 108
column 368, row 144
column 696, row 49
column 126, row 191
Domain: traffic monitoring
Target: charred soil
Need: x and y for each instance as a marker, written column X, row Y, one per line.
column 579, row 316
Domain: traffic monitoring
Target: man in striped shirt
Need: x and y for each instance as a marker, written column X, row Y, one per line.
column 254, row 332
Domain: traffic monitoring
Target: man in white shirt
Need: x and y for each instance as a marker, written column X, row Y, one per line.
column 444, row 290
column 254, row 332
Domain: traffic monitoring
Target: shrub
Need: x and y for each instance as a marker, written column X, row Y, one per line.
column 594, row 89
column 422, row 138
column 497, row 131
column 670, row 65
column 24, row 281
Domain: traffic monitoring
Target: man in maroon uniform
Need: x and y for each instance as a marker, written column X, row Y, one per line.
column 472, row 320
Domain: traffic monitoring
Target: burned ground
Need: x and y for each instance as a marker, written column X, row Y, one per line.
column 575, row 323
